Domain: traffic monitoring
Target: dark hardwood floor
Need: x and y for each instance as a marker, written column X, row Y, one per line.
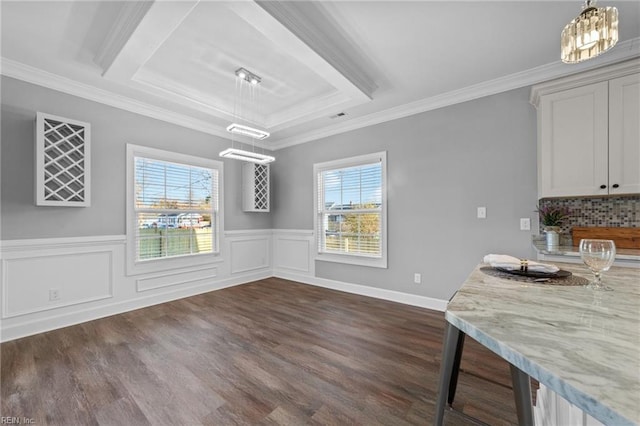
column 268, row 352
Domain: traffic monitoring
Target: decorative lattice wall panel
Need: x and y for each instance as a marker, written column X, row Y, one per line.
column 63, row 162
column 255, row 187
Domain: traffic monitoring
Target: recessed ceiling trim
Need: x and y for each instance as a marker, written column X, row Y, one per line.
column 317, row 107
column 277, row 32
column 311, row 109
column 153, row 83
column 158, row 23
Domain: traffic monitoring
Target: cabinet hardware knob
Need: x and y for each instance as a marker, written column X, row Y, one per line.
column 603, row 186
column 615, row 185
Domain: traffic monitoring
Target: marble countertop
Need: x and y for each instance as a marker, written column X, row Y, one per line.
column 582, row 344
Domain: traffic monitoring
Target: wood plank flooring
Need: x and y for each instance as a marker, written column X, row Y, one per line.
column 272, row 352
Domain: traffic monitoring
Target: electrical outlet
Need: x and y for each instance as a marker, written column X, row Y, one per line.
column 54, row 294
column 525, row 224
column 482, row 212
column 417, row 278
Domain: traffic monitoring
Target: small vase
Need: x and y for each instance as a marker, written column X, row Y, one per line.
column 553, row 237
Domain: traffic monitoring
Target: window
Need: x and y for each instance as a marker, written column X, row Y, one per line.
column 351, row 210
column 173, row 208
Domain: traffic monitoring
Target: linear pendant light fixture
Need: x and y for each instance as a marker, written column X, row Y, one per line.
column 244, row 77
column 592, row 33
column 240, row 129
column 241, row 154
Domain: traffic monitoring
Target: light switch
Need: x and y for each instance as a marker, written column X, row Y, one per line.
column 482, row 212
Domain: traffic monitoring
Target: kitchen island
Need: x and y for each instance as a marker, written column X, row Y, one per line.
column 581, row 344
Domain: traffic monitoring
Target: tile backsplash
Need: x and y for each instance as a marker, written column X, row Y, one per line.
column 622, row 211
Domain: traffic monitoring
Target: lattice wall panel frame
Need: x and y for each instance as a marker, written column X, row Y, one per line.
column 63, row 162
column 255, row 187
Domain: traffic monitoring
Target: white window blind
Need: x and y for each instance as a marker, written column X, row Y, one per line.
column 350, row 201
column 176, row 209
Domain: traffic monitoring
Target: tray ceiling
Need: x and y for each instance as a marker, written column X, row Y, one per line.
column 374, row 60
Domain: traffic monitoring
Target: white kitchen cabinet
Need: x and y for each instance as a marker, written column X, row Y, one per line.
column 624, row 135
column 573, row 148
column 589, row 134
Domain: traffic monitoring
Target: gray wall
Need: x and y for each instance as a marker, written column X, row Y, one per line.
column 441, row 166
column 111, row 130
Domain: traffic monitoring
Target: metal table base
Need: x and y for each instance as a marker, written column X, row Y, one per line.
column 450, row 368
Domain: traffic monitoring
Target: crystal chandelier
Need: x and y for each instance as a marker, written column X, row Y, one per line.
column 246, row 78
column 592, row 33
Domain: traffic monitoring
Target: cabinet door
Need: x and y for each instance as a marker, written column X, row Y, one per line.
column 573, row 158
column 624, row 135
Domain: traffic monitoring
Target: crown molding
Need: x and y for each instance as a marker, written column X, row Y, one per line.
column 624, row 51
column 52, row 81
column 582, row 79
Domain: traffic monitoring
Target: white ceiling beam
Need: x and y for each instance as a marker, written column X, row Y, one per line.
column 308, row 22
column 142, row 29
column 126, row 22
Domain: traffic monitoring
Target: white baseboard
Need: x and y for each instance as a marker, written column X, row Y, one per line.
column 78, row 316
column 363, row 290
column 53, row 322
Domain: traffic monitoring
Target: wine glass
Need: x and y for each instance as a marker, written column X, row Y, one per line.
column 598, row 255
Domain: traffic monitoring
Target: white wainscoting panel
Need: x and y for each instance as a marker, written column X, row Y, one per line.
column 293, row 251
column 294, row 259
column 249, row 250
column 166, row 279
column 77, row 278
column 80, row 272
column 90, row 275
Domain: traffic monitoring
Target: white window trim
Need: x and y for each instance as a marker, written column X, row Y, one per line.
column 171, row 263
column 353, row 259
